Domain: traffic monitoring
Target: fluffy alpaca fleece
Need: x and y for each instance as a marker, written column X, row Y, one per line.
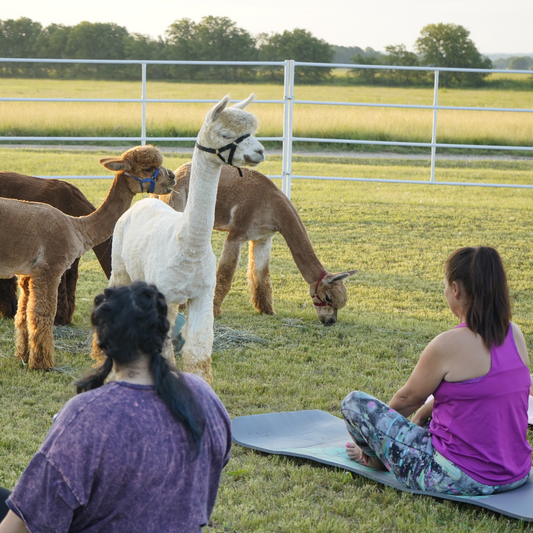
column 70, row 200
column 252, row 208
column 52, row 240
column 154, row 243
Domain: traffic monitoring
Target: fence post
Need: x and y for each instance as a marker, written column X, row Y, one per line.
column 143, row 96
column 287, row 128
column 434, row 133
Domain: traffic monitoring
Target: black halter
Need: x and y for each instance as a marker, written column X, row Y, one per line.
column 231, row 147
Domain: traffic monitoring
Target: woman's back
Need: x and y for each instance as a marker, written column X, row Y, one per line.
column 480, row 414
column 118, row 461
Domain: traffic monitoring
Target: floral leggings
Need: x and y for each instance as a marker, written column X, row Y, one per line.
column 406, row 449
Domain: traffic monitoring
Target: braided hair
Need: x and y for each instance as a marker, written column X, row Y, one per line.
column 131, row 319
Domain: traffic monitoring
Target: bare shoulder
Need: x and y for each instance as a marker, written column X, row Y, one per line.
column 450, row 339
column 520, row 342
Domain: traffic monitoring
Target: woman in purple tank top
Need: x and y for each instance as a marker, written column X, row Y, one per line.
column 471, row 438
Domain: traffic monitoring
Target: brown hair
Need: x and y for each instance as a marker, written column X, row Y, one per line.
column 481, row 273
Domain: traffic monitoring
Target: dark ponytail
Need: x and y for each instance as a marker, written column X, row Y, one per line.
column 482, row 275
column 131, row 320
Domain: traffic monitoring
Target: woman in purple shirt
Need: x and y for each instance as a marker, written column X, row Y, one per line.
column 471, row 439
column 142, row 453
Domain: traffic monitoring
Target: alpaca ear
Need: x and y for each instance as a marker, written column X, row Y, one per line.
column 115, row 165
column 217, row 110
column 340, row 277
column 244, row 103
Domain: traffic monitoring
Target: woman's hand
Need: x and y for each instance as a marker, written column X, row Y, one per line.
column 422, row 416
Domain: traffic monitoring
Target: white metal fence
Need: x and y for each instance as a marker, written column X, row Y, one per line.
column 288, row 102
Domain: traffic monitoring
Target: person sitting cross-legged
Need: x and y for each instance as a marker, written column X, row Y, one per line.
column 476, row 440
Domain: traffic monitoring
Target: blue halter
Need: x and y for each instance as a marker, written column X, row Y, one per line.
column 151, row 181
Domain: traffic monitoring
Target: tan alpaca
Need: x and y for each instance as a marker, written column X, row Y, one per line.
column 252, row 208
column 38, row 243
column 69, row 199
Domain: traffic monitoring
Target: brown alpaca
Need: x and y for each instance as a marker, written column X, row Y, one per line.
column 252, row 208
column 48, row 241
column 70, row 200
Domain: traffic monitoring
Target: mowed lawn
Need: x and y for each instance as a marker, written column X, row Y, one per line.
column 316, row 121
column 398, row 237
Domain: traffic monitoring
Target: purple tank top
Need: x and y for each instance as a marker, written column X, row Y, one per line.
column 481, row 424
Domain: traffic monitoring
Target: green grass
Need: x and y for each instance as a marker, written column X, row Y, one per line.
column 338, row 122
column 398, row 237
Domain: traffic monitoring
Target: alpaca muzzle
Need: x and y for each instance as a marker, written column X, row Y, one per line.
column 231, row 147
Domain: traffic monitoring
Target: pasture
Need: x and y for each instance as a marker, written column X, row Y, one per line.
column 398, row 237
column 323, row 121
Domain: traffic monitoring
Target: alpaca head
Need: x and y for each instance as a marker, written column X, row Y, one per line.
column 329, row 294
column 142, row 167
column 223, row 126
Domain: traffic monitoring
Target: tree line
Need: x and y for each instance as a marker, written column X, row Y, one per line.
column 220, row 39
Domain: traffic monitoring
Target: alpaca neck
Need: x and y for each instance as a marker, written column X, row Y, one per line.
column 98, row 226
column 199, row 213
column 295, row 235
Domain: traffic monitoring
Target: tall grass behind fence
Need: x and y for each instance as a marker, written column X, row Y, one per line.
column 184, row 120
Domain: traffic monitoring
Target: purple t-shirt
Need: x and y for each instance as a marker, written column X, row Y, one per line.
column 116, row 460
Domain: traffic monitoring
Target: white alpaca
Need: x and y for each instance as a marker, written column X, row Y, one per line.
column 154, row 243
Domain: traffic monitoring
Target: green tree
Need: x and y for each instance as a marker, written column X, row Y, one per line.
column 520, row 63
column 139, row 47
column 212, row 39
column 299, row 45
column 449, row 45
column 97, row 40
column 365, row 76
column 18, row 38
column 398, row 55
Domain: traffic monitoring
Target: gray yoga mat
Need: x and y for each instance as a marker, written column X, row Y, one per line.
column 321, row 437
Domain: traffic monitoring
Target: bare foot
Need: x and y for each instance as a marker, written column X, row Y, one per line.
column 359, row 456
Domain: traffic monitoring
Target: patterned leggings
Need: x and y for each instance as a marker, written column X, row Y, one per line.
column 406, row 449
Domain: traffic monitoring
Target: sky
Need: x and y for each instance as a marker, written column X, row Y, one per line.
column 495, row 26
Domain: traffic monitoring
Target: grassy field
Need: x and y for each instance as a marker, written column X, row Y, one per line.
column 340, row 122
column 398, row 237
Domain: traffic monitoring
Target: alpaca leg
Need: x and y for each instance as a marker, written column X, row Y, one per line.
column 66, row 295
column 8, row 297
column 21, row 327
column 42, row 305
column 227, row 265
column 198, row 334
column 259, row 275
column 61, row 312
column 168, row 348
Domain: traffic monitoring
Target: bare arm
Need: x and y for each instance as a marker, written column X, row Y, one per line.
column 12, row 524
column 425, row 378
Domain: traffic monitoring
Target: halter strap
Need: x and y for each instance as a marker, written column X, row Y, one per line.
column 231, row 147
column 151, row 181
column 322, row 302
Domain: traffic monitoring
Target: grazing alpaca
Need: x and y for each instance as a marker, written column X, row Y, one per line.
column 251, row 208
column 154, row 243
column 69, row 199
column 48, row 241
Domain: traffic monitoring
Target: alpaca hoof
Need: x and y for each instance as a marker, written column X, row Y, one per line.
column 40, row 365
column 217, row 311
column 267, row 311
column 23, row 357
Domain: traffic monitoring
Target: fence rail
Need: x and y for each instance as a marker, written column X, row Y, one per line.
column 288, row 102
